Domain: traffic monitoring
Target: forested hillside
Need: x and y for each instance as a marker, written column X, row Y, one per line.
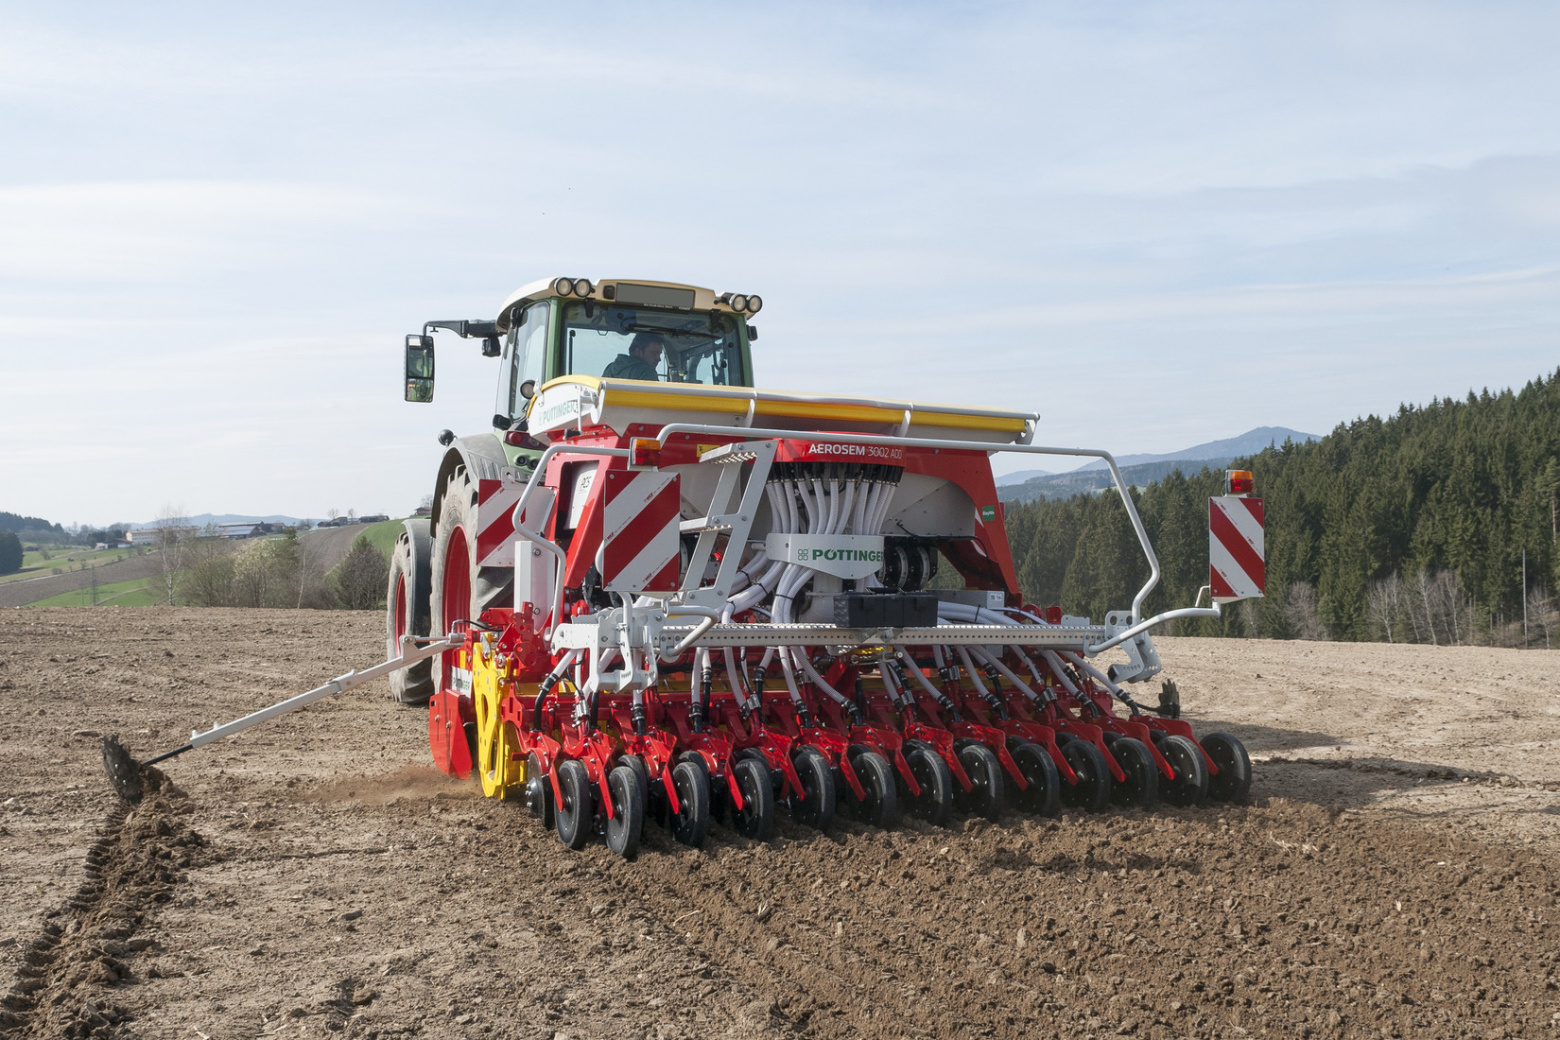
column 1409, row 528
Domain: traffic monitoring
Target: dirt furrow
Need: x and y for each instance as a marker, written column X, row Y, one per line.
column 87, row 949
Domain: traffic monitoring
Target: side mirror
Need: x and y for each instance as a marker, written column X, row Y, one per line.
column 528, row 389
column 419, row 369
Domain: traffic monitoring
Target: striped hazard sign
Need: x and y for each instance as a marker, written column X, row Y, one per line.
column 1236, row 569
column 640, row 546
column 495, row 521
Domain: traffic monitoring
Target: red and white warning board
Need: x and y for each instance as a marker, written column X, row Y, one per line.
column 1236, row 567
column 640, row 546
column 496, row 501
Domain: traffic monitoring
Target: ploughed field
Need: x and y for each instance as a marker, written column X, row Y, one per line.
column 1393, row 876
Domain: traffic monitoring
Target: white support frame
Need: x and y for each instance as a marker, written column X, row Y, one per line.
column 646, row 629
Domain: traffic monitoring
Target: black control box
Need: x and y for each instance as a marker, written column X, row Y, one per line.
column 885, row 609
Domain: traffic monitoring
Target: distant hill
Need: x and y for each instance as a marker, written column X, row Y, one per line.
column 1090, row 481
column 1021, row 476
column 1249, row 443
column 1141, row 470
column 17, row 524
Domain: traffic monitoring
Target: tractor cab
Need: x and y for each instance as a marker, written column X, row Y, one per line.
column 640, row 331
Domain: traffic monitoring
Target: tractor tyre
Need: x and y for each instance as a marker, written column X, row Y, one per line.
column 628, row 812
column 1233, row 781
column 1092, row 791
column 816, row 806
column 461, row 589
column 1141, row 788
column 1043, row 796
column 1190, row 786
column 935, row 802
column 575, row 813
column 756, row 818
column 692, row 822
column 406, row 614
column 881, row 804
column 985, row 772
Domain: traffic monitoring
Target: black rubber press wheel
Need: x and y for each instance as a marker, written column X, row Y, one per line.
column 538, row 791
column 1190, row 785
column 1233, row 781
column 1141, row 788
column 756, row 818
column 935, row 802
column 575, row 812
column 628, row 812
column 1092, row 791
column 877, row 781
column 815, row 808
column 1043, row 796
column 692, row 822
column 984, row 798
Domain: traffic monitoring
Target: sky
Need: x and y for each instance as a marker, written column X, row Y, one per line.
column 1155, row 224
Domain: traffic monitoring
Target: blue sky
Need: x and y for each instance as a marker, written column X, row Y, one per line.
column 1156, row 224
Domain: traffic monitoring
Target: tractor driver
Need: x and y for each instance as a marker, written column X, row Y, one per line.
column 644, row 354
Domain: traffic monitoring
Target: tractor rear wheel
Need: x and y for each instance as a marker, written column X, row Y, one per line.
column 984, row 798
column 575, row 812
column 935, row 802
column 877, row 780
column 692, row 822
column 406, row 614
column 1141, row 787
column 1190, row 785
column 756, row 818
column 1043, row 796
column 815, row 808
column 628, row 812
column 1233, row 781
column 1092, row 791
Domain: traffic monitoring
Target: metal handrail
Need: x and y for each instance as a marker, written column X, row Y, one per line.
column 564, row 448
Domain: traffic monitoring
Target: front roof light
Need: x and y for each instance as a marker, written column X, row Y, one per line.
column 738, row 302
column 563, row 286
column 582, row 287
column 754, row 303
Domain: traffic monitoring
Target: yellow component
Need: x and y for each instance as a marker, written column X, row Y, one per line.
column 622, row 393
column 497, row 765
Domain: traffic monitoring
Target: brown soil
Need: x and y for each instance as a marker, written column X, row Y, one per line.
column 1392, row 877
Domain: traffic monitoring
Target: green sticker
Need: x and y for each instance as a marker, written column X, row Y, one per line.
column 988, row 513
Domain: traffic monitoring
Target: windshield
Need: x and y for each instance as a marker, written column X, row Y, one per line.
column 639, row 343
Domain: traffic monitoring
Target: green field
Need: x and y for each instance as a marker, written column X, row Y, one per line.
column 383, row 535
column 138, row 592
column 65, row 558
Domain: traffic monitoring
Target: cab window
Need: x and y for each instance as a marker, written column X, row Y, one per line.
column 526, row 351
column 699, row 347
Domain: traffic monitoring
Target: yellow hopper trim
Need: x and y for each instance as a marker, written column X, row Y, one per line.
column 633, row 393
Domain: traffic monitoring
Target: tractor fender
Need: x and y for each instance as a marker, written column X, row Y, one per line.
column 419, row 535
column 483, row 456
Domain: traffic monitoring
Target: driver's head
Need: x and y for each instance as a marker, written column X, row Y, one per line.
column 649, row 346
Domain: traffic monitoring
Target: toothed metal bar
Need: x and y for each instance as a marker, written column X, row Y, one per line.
column 1056, row 637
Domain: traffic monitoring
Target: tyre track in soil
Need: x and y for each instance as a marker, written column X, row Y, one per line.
column 66, row 984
